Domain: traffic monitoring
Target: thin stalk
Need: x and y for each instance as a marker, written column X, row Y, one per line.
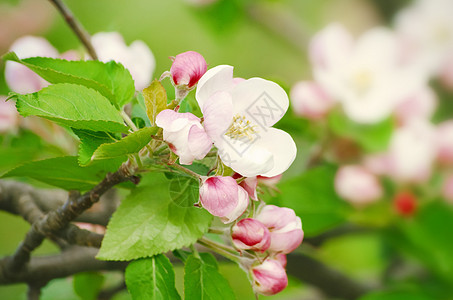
column 128, row 120
column 76, row 27
column 209, row 244
column 187, row 171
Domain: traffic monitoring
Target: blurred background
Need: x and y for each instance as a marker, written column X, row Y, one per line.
column 392, row 248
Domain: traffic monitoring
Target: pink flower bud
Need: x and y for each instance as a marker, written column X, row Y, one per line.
column 19, row 78
column 224, row 198
column 187, row 68
column 444, row 137
column 357, row 185
column 284, row 226
column 447, row 189
column 281, row 258
column 269, row 278
column 249, row 184
column 309, row 100
column 251, row 234
column 184, row 134
column 8, row 115
column 405, row 203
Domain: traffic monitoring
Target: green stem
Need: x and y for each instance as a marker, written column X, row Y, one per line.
column 187, row 171
column 214, row 247
column 216, row 231
column 128, row 120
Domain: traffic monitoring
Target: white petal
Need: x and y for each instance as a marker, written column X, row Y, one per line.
column 218, row 115
column 262, row 101
column 282, row 147
column 217, row 79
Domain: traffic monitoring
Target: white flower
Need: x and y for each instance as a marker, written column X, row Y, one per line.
column 238, row 115
column 137, row 57
column 366, row 76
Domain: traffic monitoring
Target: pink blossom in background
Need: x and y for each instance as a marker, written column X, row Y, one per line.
column 420, row 105
column 444, row 141
column 447, row 188
column 405, row 203
column 223, row 197
column 284, row 226
column 251, row 234
column 19, row 78
column 357, row 185
column 309, row 100
column 8, row 115
column 269, row 278
column 137, row 57
column 184, row 134
column 187, row 68
column 247, row 143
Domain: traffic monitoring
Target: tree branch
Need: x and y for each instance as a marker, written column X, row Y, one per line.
column 78, row 29
column 41, row 270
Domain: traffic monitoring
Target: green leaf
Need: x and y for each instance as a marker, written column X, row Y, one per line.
column 65, row 172
column 71, row 105
column 88, row 285
column 151, row 278
column 184, row 191
column 372, row 138
column 131, row 144
column 395, row 295
column 313, row 198
column 155, row 100
column 110, row 79
column 148, row 222
column 90, row 141
column 202, row 279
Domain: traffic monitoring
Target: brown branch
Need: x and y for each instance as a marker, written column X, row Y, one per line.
column 41, row 270
column 329, row 281
column 56, row 220
column 78, row 29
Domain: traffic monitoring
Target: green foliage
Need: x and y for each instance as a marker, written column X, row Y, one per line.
column 88, row 285
column 395, row 295
column 71, row 105
column 148, row 222
column 202, row 279
column 65, row 172
column 155, row 98
column 110, row 79
column 131, row 144
column 184, row 191
column 372, row 138
column 151, row 279
column 313, row 198
column 90, row 141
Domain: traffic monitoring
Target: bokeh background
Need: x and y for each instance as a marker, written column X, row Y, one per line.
column 268, row 39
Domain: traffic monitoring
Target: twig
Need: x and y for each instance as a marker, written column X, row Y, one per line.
column 78, row 29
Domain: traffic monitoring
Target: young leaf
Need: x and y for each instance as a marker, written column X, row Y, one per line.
column 110, row 79
column 148, row 222
column 202, row 279
column 65, row 172
column 131, row 144
column 88, row 285
column 151, row 278
column 155, row 100
column 313, row 198
column 90, row 141
column 71, row 105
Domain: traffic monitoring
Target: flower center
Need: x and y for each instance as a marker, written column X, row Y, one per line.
column 362, row 81
column 241, row 128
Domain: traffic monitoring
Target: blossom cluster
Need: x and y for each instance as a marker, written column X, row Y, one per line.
column 385, row 75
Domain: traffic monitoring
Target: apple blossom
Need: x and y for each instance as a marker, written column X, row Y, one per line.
column 184, row 134
column 249, row 184
column 250, row 234
column 427, row 28
column 281, row 258
column 405, row 203
column 223, row 197
column 420, row 104
column 269, row 181
column 447, row 188
column 366, row 76
column 444, row 139
column 19, row 78
column 8, row 115
column 269, row 277
column 238, row 117
column 309, row 100
column 187, row 68
column 357, row 185
column 412, row 152
column 284, row 226
column 137, row 57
